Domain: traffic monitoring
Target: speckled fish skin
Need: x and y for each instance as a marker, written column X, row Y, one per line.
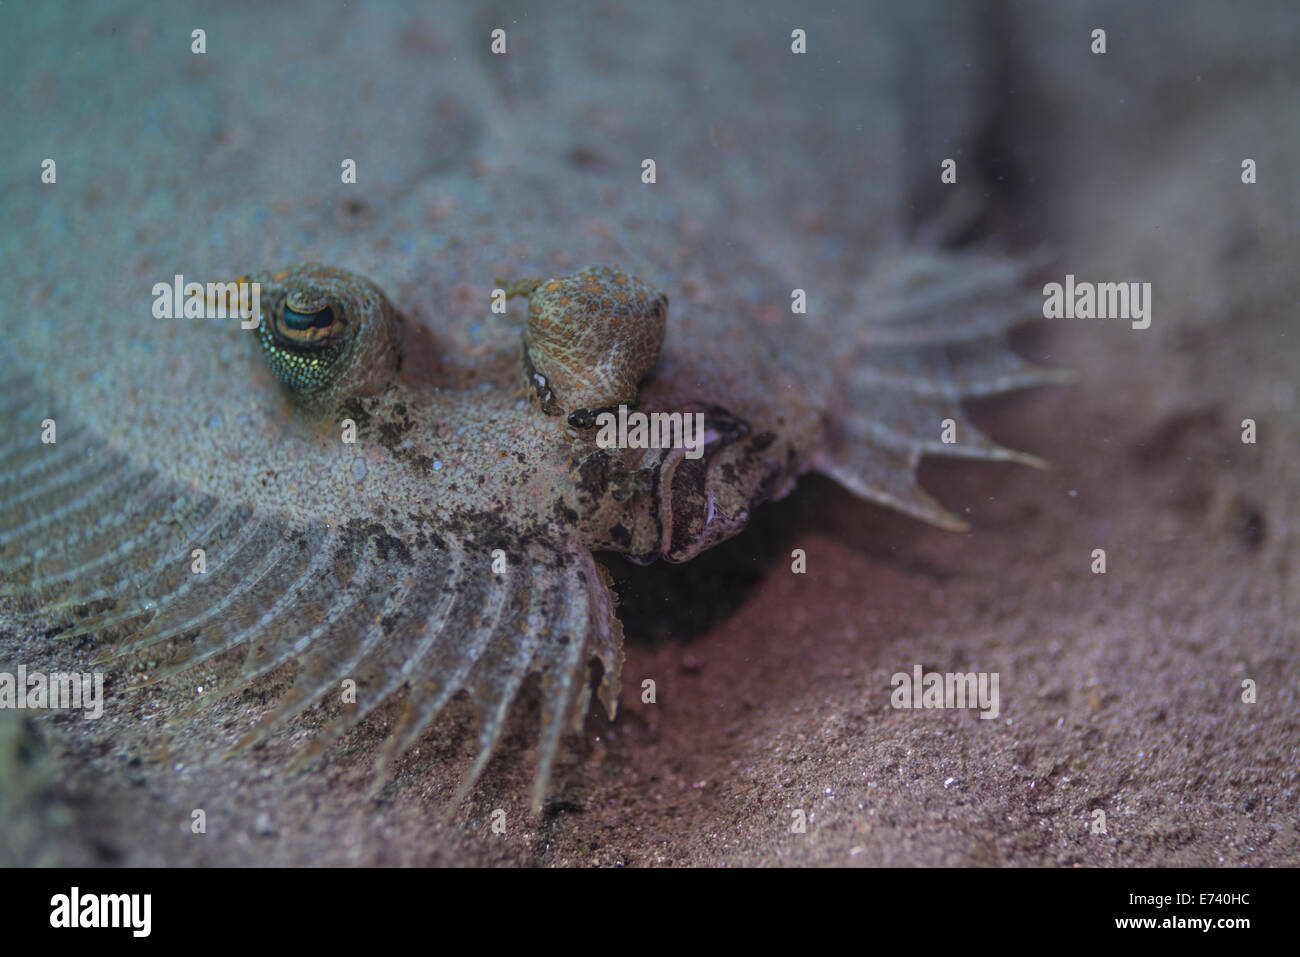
column 373, row 561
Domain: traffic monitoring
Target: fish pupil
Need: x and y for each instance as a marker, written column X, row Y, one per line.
column 302, row 321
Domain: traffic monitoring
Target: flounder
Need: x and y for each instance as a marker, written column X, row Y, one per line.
column 388, row 483
column 429, row 525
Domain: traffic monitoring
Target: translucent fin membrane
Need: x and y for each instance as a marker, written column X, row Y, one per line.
column 936, row 336
column 79, row 522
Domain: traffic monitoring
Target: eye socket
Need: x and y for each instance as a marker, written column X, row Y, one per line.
column 591, row 338
column 328, row 333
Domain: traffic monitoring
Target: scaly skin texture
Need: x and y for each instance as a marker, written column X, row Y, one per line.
column 590, row 338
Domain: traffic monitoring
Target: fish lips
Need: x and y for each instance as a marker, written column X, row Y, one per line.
column 699, row 503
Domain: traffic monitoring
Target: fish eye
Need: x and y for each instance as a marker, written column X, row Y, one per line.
column 309, row 327
column 591, row 337
column 328, row 333
column 302, row 343
column 301, row 321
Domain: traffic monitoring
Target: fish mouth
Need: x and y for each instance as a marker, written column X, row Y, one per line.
column 701, row 503
column 656, row 499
